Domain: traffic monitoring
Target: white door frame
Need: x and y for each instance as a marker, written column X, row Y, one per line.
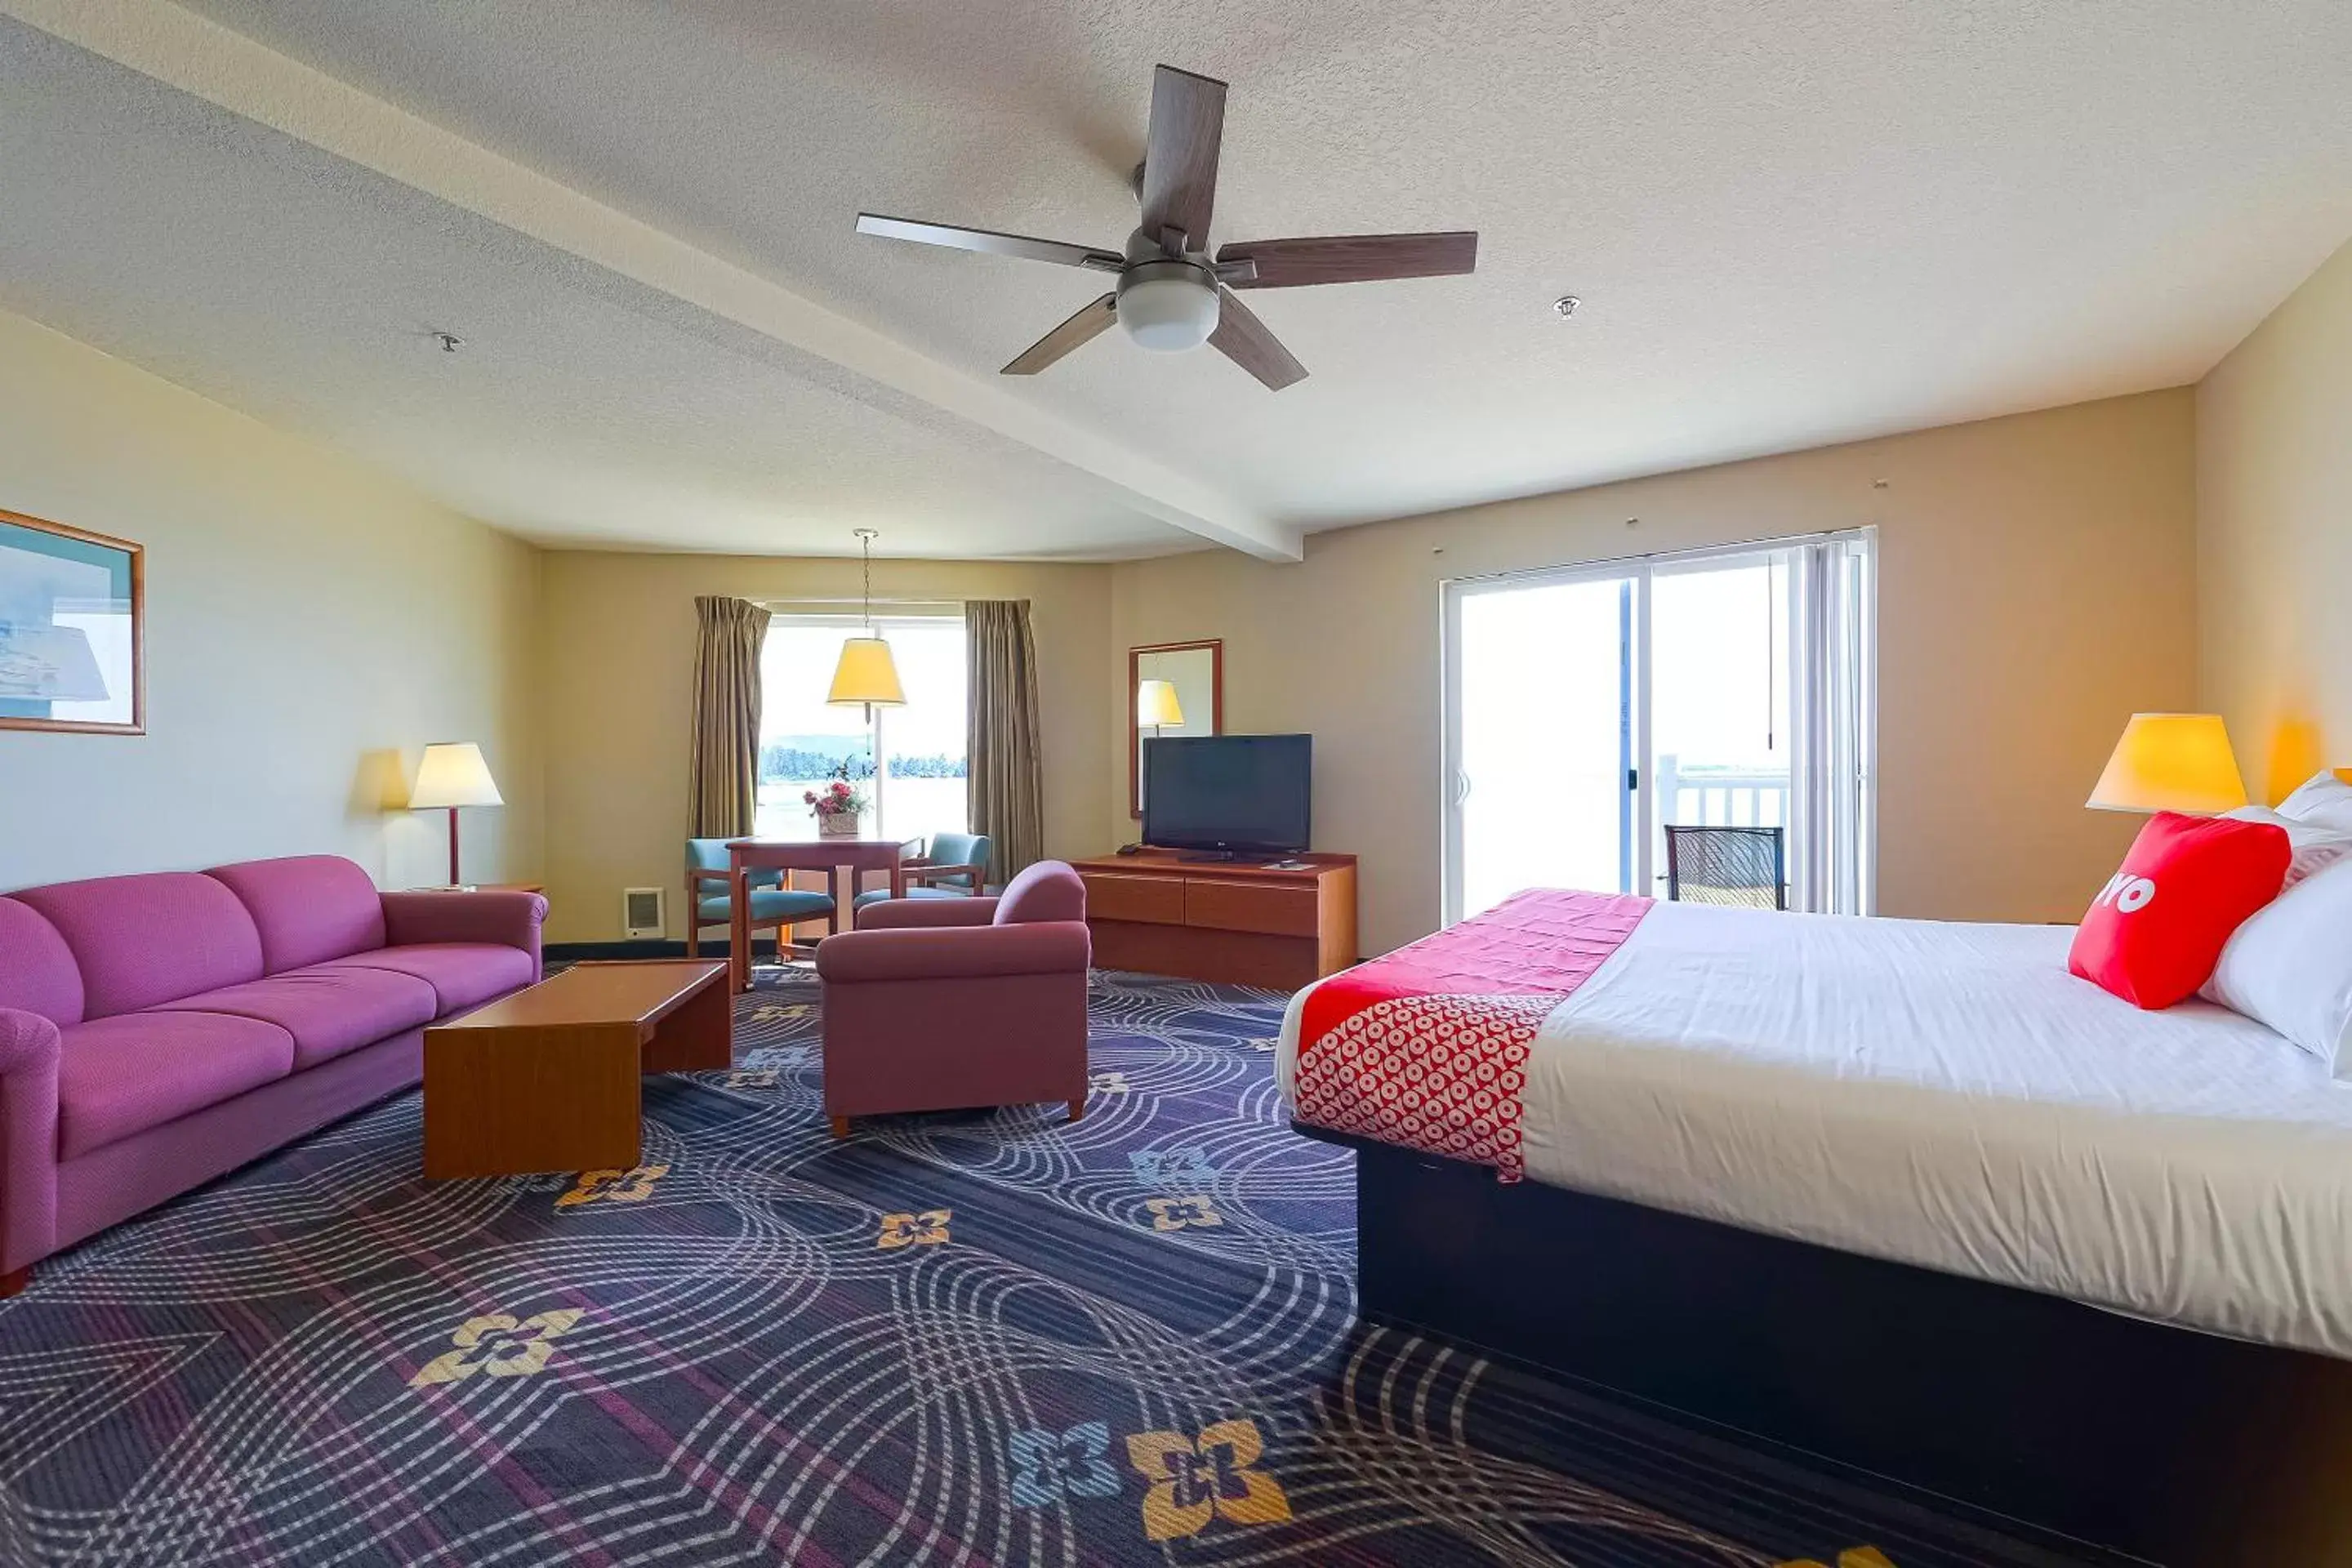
column 1640, row 572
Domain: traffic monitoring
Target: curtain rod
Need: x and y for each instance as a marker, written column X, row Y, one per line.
column 797, row 602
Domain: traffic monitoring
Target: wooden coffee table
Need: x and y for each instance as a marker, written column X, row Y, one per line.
column 548, row 1080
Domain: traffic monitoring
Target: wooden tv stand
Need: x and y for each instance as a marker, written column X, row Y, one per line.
column 1230, row 921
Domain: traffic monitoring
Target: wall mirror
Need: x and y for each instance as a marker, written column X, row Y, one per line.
column 1172, row 689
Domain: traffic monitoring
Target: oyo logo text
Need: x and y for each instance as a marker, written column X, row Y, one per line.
column 2126, row 892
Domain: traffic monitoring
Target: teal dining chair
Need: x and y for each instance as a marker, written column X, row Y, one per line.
column 709, row 901
column 952, row 866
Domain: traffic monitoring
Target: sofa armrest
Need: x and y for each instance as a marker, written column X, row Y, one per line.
column 1040, row 947
column 904, row 914
column 500, row 916
column 28, row 1042
column 28, row 1139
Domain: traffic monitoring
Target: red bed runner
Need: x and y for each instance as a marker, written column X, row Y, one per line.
column 1427, row 1047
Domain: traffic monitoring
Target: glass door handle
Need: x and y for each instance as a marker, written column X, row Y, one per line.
column 1461, row 786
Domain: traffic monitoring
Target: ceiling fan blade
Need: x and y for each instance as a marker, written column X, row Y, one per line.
column 990, row 242
column 1346, row 259
column 1180, row 159
column 1242, row 338
column 1080, row 329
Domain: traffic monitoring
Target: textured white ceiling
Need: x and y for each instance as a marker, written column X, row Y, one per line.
column 1790, row 223
column 584, row 408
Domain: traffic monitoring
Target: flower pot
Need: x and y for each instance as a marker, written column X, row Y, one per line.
column 837, row 825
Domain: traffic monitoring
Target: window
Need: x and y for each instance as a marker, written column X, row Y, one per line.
column 909, row 762
column 1590, row 708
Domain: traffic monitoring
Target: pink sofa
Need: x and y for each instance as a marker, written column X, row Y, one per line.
column 156, row 1031
column 954, row 1003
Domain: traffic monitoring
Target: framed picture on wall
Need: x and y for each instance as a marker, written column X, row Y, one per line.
column 72, row 630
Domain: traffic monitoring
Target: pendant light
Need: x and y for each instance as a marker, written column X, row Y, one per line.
column 866, row 675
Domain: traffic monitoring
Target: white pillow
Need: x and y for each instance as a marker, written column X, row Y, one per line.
column 2316, row 844
column 2290, row 966
column 2325, row 799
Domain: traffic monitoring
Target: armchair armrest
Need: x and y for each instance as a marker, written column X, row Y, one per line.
column 28, row 1139
column 900, row 914
column 500, row 916
column 1039, row 947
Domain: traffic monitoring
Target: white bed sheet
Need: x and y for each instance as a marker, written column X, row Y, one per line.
column 1947, row 1095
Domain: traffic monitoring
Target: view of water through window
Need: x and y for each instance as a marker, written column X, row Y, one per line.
column 908, row 762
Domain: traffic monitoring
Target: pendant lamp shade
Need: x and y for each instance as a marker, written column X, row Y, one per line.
column 867, row 673
column 867, row 676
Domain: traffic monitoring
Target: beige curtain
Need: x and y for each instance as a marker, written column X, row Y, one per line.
column 1001, row 733
column 723, row 787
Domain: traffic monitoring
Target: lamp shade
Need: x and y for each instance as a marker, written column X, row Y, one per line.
column 1156, row 704
column 867, row 673
column 2172, row 761
column 453, row 773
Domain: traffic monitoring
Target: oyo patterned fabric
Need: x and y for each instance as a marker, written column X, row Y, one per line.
column 986, row 1338
column 1445, row 1074
column 1426, row 1048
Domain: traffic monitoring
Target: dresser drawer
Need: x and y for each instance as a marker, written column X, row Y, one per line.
column 1273, row 909
column 1154, row 901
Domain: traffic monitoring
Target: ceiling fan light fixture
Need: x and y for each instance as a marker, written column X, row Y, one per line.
column 1175, row 289
column 1167, row 306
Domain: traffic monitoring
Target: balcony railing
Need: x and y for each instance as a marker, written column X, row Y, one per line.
column 1695, row 794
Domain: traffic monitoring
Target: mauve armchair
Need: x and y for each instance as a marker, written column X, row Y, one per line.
column 951, row 1004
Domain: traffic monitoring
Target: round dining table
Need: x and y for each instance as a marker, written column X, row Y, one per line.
column 835, row 856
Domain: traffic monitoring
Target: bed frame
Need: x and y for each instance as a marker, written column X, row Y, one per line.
column 2167, row 1444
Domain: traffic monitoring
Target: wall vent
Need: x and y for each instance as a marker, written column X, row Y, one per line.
column 643, row 914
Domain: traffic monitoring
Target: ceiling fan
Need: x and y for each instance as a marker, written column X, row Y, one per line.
column 1171, row 295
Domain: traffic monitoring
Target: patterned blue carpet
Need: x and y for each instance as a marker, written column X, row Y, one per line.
column 977, row 1339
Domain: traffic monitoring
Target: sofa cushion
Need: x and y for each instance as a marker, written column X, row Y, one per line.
column 307, row 907
column 142, row 940
column 36, row 968
column 462, row 973
column 328, row 1010
column 123, row 1075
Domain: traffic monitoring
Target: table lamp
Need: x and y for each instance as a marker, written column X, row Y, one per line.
column 453, row 774
column 1156, row 704
column 2172, row 761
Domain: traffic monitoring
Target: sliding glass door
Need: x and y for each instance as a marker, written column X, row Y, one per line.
column 1590, row 709
column 1541, row 689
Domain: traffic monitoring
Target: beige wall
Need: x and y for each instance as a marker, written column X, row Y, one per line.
column 2036, row 586
column 310, row 626
column 617, row 679
column 313, row 624
column 2275, row 536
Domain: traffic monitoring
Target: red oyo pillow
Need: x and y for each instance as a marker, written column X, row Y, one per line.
column 2156, row 929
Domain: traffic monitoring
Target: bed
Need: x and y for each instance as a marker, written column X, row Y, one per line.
column 1905, row 1194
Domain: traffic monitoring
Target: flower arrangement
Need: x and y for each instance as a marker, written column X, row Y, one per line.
column 838, row 799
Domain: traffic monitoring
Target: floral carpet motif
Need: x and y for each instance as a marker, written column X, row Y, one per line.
column 989, row 1337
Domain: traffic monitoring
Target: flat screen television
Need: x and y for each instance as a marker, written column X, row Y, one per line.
column 1242, row 795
